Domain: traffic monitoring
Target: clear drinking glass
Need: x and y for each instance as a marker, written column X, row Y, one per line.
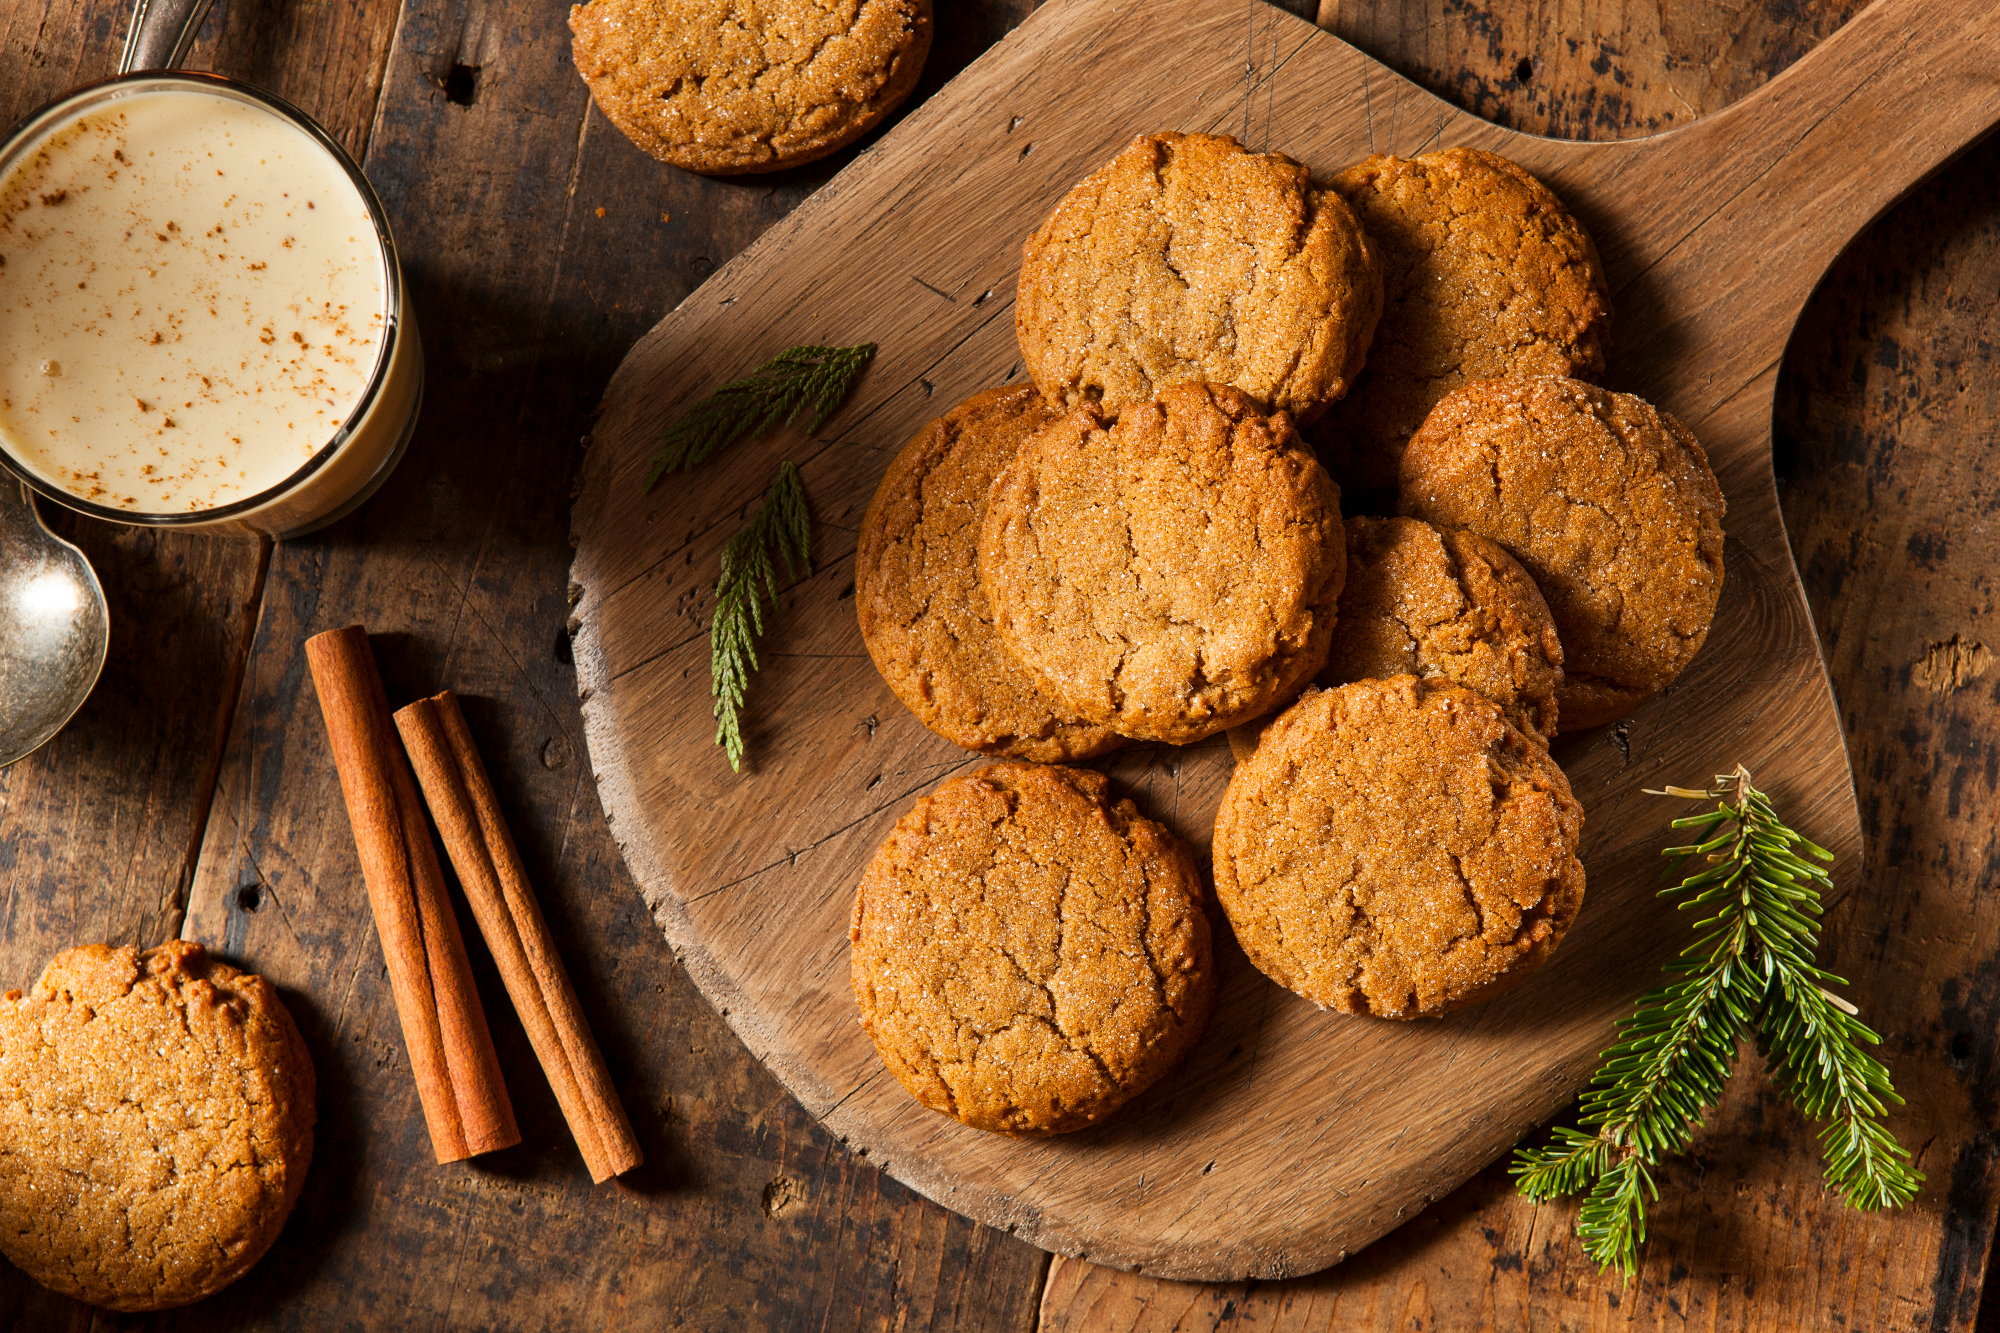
column 372, row 434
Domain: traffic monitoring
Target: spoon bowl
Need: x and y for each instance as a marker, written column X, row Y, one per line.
column 54, row 627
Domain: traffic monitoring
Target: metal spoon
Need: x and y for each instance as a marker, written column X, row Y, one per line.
column 54, row 627
column 161, row 34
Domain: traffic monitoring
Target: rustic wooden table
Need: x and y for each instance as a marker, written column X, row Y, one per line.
column 194, row 794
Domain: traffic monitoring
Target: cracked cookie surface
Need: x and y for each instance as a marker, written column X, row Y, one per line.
column 1190, row 258
column 923, row 615
column 1485, row 273
column 1446, row 604
column 1169, row 574
column 1027, row 954
column 1397, row 847
column 1607, row 501
column 729, row 86
column 156, row 1115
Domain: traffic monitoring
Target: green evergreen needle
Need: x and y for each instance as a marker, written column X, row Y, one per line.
column 1749, row 973
column 747, row 584
column 796, row 380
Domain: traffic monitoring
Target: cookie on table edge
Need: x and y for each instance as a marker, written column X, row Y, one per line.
column 1171, row 573
column 709, row 86
column 923, row 614
column 1189, row 258
column 1485, row 273
column 157, row 1114
column 1398, row 848
column 1610, row 505
column 1028, row 954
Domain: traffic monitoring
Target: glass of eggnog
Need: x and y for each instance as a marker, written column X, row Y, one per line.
column 202, row 317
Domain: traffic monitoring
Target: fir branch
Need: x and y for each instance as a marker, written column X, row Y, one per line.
column 1749, row 973
column 1612, row 1220
column 1550, row 1173
column 774, row 394
column 1814, row 1047
column 747, row 584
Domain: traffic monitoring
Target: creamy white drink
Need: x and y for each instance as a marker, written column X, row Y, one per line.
column 193, row 303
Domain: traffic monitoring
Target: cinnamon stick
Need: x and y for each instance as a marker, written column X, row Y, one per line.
column 489, row 869
column 451, row 1052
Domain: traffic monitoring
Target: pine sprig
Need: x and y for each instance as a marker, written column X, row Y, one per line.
column 1749, row 973
column 774, row 394
column 1612, row 1219
column 1814, row 1046
column 747, row 584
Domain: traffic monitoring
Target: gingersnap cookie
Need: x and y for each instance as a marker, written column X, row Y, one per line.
column 923, row 614
column 156, row 1118
column 724, row 87
column 1485, row 274
column 1188, row 257
column 1168, row 574
column 1610, row 505
column 1447, row 605
column 1028, row 954
column 1397, row 847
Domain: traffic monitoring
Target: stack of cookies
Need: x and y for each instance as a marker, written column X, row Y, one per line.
column 1141, row 546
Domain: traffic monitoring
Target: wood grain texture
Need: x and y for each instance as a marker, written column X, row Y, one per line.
column 100, row 833
column 1887, row 409
column 1290, row 1138
column 102, row 842
column 1615, row 70
column 467, row 814
column 101, row 830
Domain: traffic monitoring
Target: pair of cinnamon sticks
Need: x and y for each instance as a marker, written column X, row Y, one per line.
column 451, row 1052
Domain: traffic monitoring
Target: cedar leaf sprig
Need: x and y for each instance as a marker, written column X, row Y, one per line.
column 774, row 394
column 748, row 583
column 1750, row 972
column 794, row 381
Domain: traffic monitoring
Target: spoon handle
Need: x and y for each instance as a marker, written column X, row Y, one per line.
column 162, row 33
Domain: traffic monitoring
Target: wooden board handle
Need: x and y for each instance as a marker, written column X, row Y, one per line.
column 1747, row 208
column 1901, row 88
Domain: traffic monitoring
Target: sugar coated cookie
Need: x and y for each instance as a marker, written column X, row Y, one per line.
column 1029, row 954
column 1485, row 274
column 726, row 86
column 916, row 588
column 1188, row 257
column 156, row 1118
column 1172, row 573
column 1397, row 847
column 1449, row 605
column 1609, row 503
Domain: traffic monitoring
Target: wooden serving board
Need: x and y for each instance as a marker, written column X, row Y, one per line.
column 1291, row 1137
